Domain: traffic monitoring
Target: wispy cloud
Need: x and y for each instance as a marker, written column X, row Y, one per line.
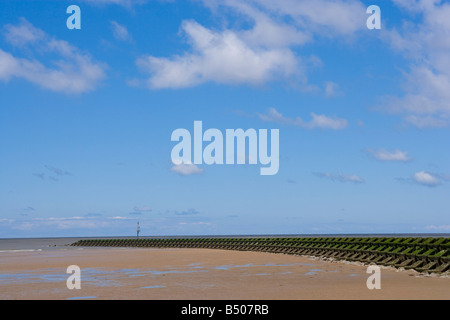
column 424, row 103
column 119, row 218
column 426, row 179
column 120, row 32
column 439, row 228
column 340, row 177
column 92, row 215
column 91, row 224
column 124, row 3
column 52, row 171
column 384, row 155
column 187, row 212
column 39, row 175
column 324, row 17
column 58, row 223
column 427, row 121
column 139, row 210
column 28, row 210
column 332, row 89
column 58, row 171
column 186, row 169
column 142, row 209
column 68, row 70
column 317, row 121
column 199, row 223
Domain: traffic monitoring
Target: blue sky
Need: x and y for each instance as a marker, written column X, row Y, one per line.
column 86, row 116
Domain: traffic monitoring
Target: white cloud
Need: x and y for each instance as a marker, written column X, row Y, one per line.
column 395, row 155
column 439, row 227
column 274, row 116
column 221, row 57
column 120, row 218
column 426, row 45
column 325, row 122
column 71, row 72
column 340, row 177
column 259, row 52
column 317, row 121
column 186, row 169
column 23, row 33
column 426, row 179
column 120, row 32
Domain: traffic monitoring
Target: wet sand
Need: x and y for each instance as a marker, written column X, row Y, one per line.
column 186, row 274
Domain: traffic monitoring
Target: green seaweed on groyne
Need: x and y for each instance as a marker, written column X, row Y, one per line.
column 431, row 255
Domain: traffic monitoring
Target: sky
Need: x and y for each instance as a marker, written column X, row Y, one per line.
column 86, row 116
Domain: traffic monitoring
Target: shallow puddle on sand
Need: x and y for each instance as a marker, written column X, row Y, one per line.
column 81, row 298
column 101, row 277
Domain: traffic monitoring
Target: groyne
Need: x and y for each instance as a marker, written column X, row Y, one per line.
column 429, row 255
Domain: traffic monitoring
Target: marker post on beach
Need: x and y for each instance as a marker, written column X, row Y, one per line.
column 138, row 229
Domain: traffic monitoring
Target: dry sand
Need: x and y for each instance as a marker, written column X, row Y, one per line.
column 121, row 273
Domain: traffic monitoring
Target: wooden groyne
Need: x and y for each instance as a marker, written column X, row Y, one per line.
column 431, row 255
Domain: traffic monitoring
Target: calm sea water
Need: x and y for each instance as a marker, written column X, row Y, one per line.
column 35, row 244
column 41, row 244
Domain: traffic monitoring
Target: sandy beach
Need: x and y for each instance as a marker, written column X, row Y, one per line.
column 185, row 274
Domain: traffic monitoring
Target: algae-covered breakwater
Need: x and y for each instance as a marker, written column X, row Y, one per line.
column 420, row 254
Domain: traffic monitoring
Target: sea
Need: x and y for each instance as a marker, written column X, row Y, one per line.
column 46, row 244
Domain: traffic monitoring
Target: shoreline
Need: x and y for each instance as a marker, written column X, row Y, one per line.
column 199, row 274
